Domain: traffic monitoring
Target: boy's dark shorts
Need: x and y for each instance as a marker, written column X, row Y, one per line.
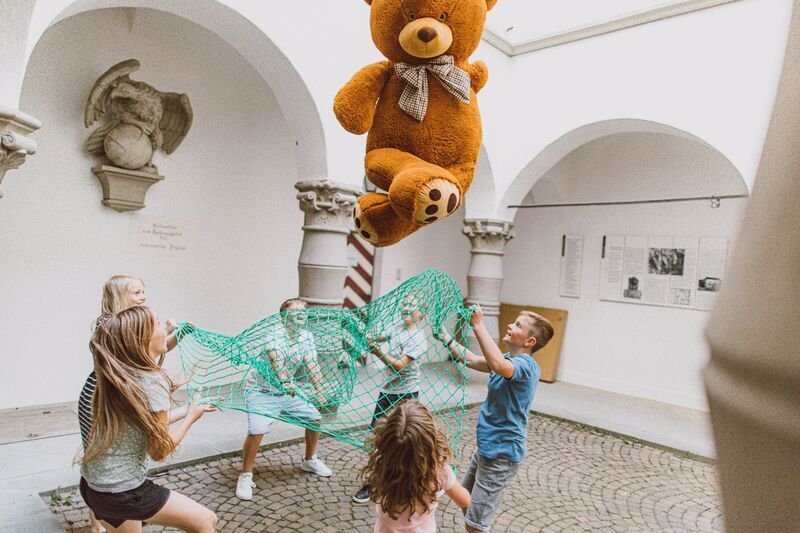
column 386, row 402
column 115, row 508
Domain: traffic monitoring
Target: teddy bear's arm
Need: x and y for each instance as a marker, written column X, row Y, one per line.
column 478, row 75
column 354, row 104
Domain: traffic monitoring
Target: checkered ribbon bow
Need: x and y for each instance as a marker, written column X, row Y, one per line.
column 414, row 99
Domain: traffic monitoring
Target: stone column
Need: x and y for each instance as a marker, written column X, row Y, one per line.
column 485, row 276
column 753, row 377
column 15, row 145
column 322, row 266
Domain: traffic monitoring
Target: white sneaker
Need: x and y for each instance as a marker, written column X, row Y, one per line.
column 244, row 486
column 316, row 466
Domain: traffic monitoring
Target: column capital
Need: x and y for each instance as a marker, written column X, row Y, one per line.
column 15, row 145
column 488, row 235
column 318, row 196
column 322, row 267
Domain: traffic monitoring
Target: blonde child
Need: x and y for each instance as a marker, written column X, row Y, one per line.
column 503, row 421
column 119, row 292
column 409, row 470
column 288, row 348
column 131, row 408
column 405, row 346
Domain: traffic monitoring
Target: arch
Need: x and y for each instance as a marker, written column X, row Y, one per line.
column 274, row 67
column 553, row 153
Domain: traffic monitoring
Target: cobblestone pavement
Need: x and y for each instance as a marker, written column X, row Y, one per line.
column 573, row 478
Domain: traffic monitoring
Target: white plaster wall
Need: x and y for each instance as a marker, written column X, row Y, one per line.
column 14, row 17
column 229, row 185
column 646, row 351
column 442, row 246
column 712, row 73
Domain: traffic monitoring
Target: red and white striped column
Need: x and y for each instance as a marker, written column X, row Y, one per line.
column 358, row 283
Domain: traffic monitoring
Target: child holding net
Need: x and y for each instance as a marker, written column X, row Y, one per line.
column 406, row 345
column 119, row 292
column 289, row 348
column 408, row 470
column 502, row 429
column 130, row 424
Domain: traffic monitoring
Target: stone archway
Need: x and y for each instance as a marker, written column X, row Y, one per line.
column 551, row 155
column 291, row 91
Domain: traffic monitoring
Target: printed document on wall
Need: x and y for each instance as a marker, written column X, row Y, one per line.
column 571, row 260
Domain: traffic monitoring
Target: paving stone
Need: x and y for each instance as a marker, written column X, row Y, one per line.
column 574, row 478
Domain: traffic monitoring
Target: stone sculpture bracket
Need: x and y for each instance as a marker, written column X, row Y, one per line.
column 15, row 146
column 123, row 189
column 138, row 120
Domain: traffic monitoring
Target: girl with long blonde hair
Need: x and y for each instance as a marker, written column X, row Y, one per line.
column 409, row 469
column 119, row 292
column 131, row 417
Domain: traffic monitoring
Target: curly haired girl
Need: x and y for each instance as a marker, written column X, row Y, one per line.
column 409, row 469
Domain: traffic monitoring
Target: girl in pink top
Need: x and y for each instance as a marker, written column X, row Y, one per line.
column 408, row 471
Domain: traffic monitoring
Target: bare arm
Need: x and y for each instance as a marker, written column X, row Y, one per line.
column 192, row 414
column 178, row 413
column 388, row 360
column 275, row 362
column 460, row 495
column 315, row 375
column 491, row 352
column 462, row 354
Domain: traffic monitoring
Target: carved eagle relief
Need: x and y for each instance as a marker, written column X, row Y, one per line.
column 138, row 119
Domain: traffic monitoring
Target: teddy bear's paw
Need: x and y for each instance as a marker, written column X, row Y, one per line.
column 436, row 199
column 364, row 226
column 378, row 223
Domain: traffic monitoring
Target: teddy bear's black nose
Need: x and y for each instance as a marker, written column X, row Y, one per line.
column 426, row 34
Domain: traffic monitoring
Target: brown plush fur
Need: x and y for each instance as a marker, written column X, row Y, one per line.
column 426, row 167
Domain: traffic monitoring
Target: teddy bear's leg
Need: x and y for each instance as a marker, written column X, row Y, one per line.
column 425, row 192
column 381, row 165
column 417, row 189
column 378, row 223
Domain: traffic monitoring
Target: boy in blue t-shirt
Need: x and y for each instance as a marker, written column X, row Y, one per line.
column 503, row 421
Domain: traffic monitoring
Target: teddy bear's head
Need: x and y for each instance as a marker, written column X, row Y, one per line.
column 414, row 31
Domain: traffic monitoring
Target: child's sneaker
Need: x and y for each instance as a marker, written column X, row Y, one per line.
column 362, row 496
column 244, row 486
column 316, row 466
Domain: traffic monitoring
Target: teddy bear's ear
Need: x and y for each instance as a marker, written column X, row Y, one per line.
column 489, row 4
column 369, row 2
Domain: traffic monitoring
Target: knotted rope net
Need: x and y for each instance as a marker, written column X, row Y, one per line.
column 318, row 368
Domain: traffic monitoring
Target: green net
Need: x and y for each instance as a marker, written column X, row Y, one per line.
column 315, row 368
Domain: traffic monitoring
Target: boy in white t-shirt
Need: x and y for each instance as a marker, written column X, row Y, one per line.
column 289, row 348
column 405, row 345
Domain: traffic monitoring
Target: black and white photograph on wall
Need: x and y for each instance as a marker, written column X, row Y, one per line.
column 680, row 296
column 683, row 271
column 709, row 283
column 633, row 289
column 666, row 261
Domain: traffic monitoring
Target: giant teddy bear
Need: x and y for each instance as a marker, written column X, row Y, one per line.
column 420, row 110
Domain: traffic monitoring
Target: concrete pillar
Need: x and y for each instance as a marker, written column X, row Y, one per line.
column 322, row 266
column 488, row 238
column 753, row 377
column 15, row 145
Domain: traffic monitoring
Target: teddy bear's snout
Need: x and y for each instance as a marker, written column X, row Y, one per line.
column 425, row 38
column 426, row 34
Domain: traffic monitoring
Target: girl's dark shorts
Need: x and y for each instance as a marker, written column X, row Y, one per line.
column 115, row 508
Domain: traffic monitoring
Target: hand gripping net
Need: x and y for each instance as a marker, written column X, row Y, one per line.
column 314, row 367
